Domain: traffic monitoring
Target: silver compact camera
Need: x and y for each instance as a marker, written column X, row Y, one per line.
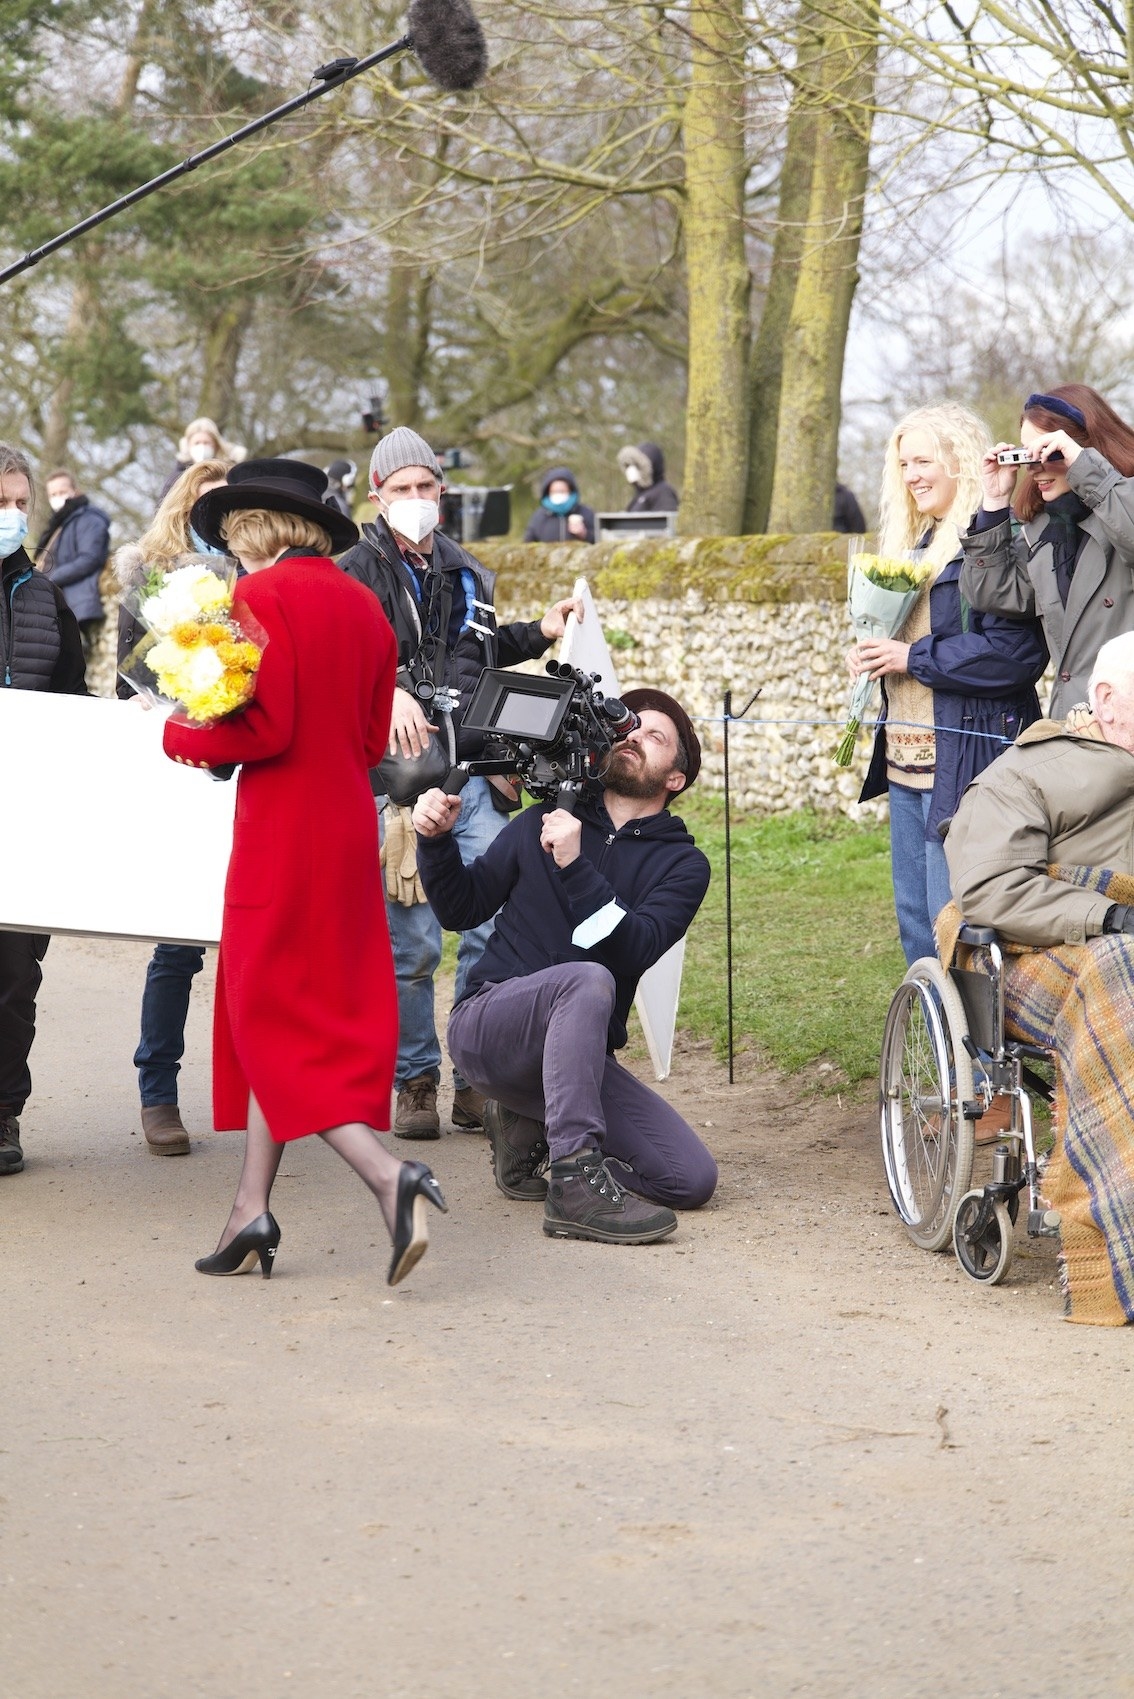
column 1015, row 457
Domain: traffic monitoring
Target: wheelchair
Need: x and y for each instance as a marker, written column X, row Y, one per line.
column 945, row 1061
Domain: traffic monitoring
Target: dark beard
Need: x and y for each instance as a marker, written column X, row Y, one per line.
column 641, row 786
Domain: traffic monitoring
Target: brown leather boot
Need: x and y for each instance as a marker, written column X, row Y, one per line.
column 164, row 1130
column 415, row 1116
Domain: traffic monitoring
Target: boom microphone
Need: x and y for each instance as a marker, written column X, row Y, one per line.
column 445, row 36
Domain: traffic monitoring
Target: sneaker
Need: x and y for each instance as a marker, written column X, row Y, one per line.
column 519, row 1152
column 585, row 1201
column 468, row 1109
column 415, row 1116
column 11, row 1154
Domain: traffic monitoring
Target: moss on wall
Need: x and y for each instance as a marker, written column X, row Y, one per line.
column 763, row 570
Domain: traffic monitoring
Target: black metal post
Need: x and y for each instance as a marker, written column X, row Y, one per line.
column 331, row 76
column 729, row 716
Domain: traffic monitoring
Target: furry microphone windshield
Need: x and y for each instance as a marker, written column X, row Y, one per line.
column 448, row 39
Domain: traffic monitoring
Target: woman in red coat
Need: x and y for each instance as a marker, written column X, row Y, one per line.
column 306, row 1022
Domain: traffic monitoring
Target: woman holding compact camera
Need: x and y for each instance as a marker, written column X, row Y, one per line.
column 957, row 686
column 1071, row 561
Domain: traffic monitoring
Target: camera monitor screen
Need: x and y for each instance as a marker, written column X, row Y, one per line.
column 523, row 715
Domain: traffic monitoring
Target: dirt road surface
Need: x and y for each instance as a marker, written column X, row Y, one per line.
column 782, row 1454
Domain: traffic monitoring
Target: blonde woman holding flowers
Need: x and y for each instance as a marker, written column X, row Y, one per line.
column 306, row 1015
column 958, row 686
column 172, row 967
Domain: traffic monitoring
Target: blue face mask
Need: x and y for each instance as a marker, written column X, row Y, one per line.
column 561, row 504
column 200, row 547
column 13, row 530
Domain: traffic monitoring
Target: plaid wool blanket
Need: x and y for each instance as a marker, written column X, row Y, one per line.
column 1078, row 1000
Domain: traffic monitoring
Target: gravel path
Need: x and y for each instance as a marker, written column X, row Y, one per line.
column 783, row 1454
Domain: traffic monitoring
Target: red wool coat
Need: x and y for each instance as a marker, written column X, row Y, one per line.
column 306, row 1006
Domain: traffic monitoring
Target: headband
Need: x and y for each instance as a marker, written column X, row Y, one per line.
column 1055, row 404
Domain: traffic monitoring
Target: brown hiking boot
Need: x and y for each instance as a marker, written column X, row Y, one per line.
column 519, row 1152
column 416, row 1114
column 585, row 1201
column 11, row 1152
column 468, row 1109
column 165, row 1132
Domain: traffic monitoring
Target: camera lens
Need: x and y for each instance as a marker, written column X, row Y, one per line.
column 424, row 691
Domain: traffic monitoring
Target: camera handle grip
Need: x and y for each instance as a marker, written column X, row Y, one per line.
column 456, row 780
column 567, row 797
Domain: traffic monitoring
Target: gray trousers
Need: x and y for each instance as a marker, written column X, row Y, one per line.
column 538, row 1045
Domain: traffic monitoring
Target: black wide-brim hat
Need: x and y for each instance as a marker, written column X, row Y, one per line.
column 280, row 486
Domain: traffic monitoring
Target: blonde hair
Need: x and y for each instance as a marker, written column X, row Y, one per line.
column 261, row 533
column 960, row 441
column 168, row 535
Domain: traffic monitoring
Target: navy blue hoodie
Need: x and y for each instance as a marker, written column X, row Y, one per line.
column 650, row 868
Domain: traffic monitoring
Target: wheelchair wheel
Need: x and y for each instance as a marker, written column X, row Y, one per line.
column 927, row 1075
column 983, row 1239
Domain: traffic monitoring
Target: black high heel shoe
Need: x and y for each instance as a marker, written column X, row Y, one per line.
column 411, row 1229
column 259, row 1239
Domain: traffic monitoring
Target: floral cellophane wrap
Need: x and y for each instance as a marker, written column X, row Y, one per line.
column 881, row 590
column 197, row 655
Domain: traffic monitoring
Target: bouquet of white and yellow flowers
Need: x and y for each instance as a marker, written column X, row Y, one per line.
column 881, row 590
column 197, row 654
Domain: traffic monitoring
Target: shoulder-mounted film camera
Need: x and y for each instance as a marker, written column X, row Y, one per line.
column 555, row 732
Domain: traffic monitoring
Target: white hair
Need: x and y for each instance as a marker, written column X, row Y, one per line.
column 1114, row 665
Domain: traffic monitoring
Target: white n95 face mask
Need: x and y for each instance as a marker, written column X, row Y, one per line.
column 633, row 476
column 413, row 519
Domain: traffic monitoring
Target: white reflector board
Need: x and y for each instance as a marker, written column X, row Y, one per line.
column 102, row 832
column 659, row 989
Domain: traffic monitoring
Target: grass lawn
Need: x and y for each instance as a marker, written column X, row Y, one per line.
column 815, row 942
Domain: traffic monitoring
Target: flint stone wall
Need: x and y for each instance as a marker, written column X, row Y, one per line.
column 700, row 616
column 697, row 617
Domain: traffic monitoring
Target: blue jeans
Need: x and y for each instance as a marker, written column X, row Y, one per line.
column 919, row 869
column 415, row 935
column 165, row 1004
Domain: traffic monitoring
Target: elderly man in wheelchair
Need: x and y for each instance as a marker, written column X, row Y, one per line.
column 1041, row 862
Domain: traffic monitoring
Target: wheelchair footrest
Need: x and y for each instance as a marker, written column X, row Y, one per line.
column 1043, row 1223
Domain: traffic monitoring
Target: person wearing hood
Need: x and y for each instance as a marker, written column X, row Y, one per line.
column 585, row 903
column 340, row 482
column 40, row 649
column 560, row 517
column 72, row 552
column 644, row 470
column 439, row 601
column 202, row 441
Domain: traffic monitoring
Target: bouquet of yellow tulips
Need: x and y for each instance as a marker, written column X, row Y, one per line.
column 881, row 590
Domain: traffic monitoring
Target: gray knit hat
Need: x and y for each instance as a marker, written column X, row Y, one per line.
column 401, row 447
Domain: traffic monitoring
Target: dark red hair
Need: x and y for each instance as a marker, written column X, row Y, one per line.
column 1104, row 430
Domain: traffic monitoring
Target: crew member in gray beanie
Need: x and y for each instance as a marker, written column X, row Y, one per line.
column 398, row 449
column 438, row 599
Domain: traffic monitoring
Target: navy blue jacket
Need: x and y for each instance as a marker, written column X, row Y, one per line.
column 76, row 555
column 982, row 670
column 650, row 868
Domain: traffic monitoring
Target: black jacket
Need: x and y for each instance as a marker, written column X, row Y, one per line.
column 460, row 656
column 660, row 497
column 848, row 516
column 41, row 647
column 650, row 869
column 547, row 527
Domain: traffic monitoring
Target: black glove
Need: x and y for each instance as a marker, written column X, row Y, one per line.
column 1119, row 917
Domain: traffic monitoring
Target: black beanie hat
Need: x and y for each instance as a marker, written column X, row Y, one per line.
column 662, row 703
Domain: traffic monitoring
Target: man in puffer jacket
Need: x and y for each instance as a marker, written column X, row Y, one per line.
column 644, row 469
column 40, row 649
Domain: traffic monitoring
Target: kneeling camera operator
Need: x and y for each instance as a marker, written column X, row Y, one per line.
column 588, row 900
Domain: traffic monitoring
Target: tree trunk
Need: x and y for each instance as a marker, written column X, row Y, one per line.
column 405, row 341
column 766, row 370
column 716, row 426
column 807, row 442
column 224, row 340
